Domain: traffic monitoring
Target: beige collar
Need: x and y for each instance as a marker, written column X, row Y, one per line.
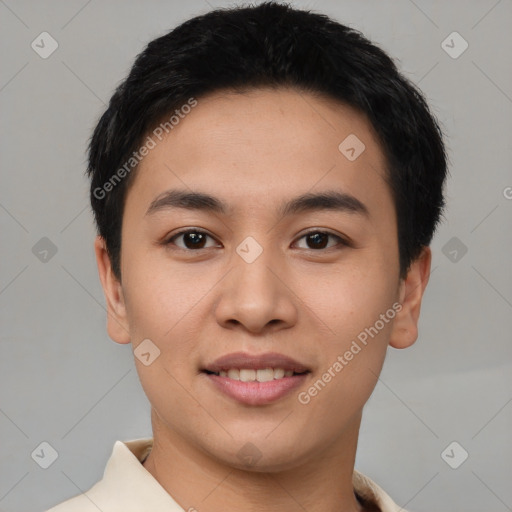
column 127, row 486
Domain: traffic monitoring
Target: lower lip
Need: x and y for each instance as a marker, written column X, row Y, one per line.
column 257, row 393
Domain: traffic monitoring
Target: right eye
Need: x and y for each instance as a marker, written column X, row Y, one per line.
column 192, row 239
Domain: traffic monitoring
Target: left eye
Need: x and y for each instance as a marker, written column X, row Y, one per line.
column 194, row 239
column 319, row 240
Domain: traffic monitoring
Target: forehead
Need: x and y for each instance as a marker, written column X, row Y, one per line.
column 266, row 143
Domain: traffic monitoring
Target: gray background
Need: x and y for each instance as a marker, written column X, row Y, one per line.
column 63, row 381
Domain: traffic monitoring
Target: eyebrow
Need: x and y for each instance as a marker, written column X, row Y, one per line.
column 327, row 200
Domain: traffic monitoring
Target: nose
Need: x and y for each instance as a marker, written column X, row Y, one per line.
column 256, row 297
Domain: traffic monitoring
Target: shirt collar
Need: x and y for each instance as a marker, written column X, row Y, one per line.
column 136, row 489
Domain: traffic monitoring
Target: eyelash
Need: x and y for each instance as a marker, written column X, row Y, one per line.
column 341, row 241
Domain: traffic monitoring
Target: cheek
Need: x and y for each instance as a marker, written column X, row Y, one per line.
column 352, row 360
column 356, row 312
column 160, row 307
column 349, row 298
column 158, row 295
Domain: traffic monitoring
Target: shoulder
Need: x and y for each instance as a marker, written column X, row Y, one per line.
column 125, row 484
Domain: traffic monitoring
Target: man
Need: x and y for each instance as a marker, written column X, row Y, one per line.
column 265, row 186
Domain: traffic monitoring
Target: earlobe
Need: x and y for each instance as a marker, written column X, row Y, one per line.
column 117, row 324
column 412, row 288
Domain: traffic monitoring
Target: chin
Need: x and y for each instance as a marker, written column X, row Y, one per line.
column 260, row 455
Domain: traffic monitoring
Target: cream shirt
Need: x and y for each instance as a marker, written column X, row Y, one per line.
column 127, row 486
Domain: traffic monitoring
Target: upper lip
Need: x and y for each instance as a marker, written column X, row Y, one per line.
column 243, row 360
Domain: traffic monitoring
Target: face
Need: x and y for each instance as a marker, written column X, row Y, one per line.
column 291, row 263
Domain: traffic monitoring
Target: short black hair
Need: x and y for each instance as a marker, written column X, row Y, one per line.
column 272, row 45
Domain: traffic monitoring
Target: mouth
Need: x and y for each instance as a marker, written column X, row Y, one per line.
column 255, row 379
column 255, row 375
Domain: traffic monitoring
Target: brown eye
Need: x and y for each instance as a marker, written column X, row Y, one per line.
column 192, row 239
column 317, row 240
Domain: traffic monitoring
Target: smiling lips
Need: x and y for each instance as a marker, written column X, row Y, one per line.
column 258, row 379
column 261, row 375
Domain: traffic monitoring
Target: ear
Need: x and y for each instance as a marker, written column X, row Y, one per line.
column 405, row 324
column 117, row 323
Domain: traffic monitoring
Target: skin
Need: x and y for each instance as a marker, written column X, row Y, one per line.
column 253, row 151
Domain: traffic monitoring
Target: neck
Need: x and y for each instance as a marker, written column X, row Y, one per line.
column 198, row 481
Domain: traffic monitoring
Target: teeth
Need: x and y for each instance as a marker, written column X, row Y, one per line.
column 278, row 373
column 247, row 375
column 234, row 374
column 263, row 375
